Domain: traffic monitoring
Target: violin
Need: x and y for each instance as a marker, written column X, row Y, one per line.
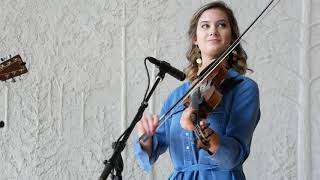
column 204, row 99
column 208, row 92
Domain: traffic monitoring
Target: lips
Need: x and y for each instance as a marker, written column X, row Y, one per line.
column 215, row 40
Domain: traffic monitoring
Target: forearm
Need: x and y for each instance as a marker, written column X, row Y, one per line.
column 231, row 153
column 148, row 152
column 227, row 152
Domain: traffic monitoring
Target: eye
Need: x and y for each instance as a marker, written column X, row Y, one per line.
column 222, row 24
column 205, row 26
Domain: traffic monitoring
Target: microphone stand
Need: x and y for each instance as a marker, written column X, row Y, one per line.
column 1, row 124
column 116, row 162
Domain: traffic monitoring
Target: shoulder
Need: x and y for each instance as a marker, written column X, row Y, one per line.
column 176, row 94
column 179, row 92
column 246, row 84
column 244, row 99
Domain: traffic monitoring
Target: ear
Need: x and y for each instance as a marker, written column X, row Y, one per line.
column 194, row 41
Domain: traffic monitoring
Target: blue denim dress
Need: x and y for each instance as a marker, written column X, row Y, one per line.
column 234, row 120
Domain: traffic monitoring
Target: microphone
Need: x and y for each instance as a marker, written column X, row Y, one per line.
column 1, row 124
column 166, row 67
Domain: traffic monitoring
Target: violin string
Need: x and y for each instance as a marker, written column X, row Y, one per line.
column 212, row 67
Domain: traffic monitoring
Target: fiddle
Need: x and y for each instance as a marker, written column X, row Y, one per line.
column 209, row 91
column 204, row 99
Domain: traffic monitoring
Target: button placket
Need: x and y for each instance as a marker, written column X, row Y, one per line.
column 187, row 147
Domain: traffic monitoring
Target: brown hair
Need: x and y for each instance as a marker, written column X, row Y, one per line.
column 239, row 63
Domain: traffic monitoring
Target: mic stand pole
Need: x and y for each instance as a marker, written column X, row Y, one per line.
column 1, row 124
column 116, row 162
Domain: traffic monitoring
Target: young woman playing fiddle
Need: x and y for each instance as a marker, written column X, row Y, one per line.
column 231, row 123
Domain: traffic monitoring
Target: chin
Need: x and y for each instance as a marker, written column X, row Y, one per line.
column 217, row 53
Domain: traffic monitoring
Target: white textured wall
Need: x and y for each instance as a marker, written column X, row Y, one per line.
column 86, row 79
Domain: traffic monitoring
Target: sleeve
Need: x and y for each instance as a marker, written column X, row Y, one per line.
column 159, row 144
column 245, row 113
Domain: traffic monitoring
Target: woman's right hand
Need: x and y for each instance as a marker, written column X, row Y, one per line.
column 147, row 125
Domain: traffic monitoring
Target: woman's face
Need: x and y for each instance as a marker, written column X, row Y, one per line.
column 213, row 34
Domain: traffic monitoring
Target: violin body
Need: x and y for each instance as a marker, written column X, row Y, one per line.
column 203, row 100
column 210, row 93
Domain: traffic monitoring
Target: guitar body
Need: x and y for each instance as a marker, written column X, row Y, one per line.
column 12, row 67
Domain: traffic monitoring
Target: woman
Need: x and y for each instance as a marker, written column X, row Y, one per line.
column 212, row 30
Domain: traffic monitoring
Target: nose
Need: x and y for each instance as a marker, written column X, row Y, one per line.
column 213, row 31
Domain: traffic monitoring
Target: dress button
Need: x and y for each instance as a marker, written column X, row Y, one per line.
column 187, row 134
column 187, row 147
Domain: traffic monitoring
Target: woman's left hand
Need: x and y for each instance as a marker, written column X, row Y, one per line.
column 187, row 119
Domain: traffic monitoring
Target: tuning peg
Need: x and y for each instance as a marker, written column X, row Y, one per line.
column 14, row 80
column 2, row 59
column 10, row 56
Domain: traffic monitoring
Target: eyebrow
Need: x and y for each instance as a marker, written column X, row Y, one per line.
column 220, row 20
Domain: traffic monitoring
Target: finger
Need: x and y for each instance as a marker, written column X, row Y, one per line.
column 186, row 124
column 149, row 121
column 140, row 128
column 151, row 126
column 182, row 123
column 192, row 117
column 155, row 121
column 190, row 109
column 184, row 119
column 188, row 114
column 145, row 124
column 140, row 124
column 203, row 123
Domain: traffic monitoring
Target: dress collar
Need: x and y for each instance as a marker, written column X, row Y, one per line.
column 232, row 73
